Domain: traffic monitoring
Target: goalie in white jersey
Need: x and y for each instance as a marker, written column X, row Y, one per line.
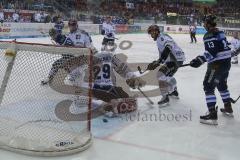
column 76, row 38
column 171, row 57
column 114, row 98
column 108, row 30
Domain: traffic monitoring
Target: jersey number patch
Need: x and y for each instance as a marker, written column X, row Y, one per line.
column 105, row 71
column 210, row 45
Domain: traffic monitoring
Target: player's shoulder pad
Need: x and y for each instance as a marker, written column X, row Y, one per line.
column 165, row 36
column 86, row 34
column 208, row 35
column 220, row 35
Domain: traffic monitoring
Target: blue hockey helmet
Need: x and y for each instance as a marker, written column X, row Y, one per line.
column 210, row 19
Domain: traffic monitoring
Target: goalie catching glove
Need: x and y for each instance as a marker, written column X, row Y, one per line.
column 135, row 82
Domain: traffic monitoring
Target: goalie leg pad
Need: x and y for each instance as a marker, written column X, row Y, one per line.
column 123, row 105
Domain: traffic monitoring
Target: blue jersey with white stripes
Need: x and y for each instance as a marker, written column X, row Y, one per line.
column 216, row 46
column 58, row 26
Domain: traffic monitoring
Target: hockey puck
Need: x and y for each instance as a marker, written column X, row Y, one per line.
column 105, row 120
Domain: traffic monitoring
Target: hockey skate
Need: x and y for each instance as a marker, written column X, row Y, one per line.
column 227, row 110
column 164, row 101
column 210, row 118
column 174, row 94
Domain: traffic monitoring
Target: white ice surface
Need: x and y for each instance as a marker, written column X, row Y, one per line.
column 166, row 140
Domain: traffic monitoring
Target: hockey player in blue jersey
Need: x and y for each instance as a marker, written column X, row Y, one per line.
column 59, row 25
column 218, row 56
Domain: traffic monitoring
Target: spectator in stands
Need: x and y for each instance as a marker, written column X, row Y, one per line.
column 37, row 17
column 15, row 17
column 1, row 16
column 42, row 19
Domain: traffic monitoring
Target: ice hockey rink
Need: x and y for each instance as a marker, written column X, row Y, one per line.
column 169, row 139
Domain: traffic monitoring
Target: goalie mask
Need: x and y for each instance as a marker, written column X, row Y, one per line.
column 154, row 31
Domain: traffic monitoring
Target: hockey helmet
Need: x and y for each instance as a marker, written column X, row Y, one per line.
column 211, row 20
column 154, row 31
column 153, row 28
column 72, row 22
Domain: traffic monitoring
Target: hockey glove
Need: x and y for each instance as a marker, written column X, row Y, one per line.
column 103, row 32
column 197, row 62
column 52, row 33
column 153, row 65
column 135, row 82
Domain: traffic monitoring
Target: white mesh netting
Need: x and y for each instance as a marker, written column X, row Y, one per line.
column 40, row 119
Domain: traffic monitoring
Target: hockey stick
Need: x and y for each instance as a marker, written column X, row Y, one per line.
column 141, row 72
column 149, row 100
column 234, row 101
column 184, row 65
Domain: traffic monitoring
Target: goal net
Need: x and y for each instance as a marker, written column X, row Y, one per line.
column 40, row 119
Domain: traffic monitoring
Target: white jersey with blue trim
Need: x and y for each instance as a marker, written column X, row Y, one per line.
column 235, row 43
column 165, row 40
column 80, row 38
column 104, row 71
column 109, row 29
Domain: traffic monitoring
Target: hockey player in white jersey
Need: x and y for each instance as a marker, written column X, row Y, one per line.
column 235, row 45
column 171, row 57
column 76, row 38
column 108, row 30
column 114, row 98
